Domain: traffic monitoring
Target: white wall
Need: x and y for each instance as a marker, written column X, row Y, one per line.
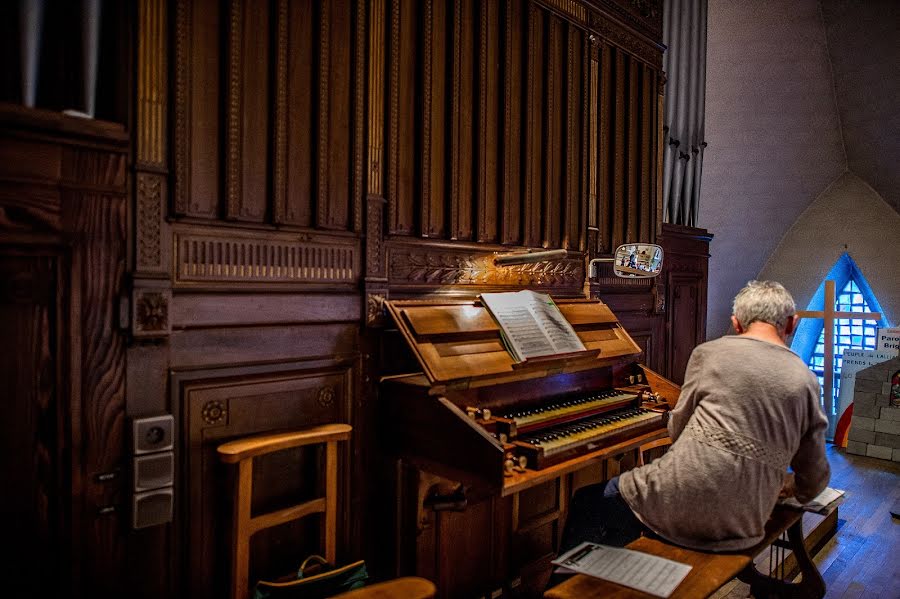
column 849, row 216
column 773, row 132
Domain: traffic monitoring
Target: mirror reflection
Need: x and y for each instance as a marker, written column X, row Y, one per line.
column 634, row 260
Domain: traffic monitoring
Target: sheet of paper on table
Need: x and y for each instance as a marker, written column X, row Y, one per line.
column 819, row 504
column 648, row 573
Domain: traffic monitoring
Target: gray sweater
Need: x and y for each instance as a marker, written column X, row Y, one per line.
column 748, row 409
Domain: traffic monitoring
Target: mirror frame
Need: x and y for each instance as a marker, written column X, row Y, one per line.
column 638, row 273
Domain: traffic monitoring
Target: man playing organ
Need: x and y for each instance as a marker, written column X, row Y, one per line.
column 748, row 410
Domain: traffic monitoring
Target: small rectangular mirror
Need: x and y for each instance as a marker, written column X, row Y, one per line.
column 638, row 260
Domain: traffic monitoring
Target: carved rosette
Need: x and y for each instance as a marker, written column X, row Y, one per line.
column 214, row 412
column 325, row 397
column 151, row 313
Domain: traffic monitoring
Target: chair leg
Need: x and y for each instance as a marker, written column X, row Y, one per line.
column 812, row 586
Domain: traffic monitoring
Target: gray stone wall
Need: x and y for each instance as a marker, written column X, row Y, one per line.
column 875, row 426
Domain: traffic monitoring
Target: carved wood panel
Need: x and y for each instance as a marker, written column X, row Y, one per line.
column 65, row 196
column 291, row 125
column 217, row 405
column 31, row 436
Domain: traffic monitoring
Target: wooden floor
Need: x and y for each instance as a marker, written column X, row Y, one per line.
column 863, row 559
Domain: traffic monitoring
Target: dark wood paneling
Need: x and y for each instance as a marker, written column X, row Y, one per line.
column 462, row 119
column 513, row 63
column 31, row 435
column 335, row 136
column 554, row 200
column 486, row 120
column 434, row 105
column 72, row 394
column 297, row 201
column 247, row 128
column 489, row 87
column 401, row 182
column 576, row 155
column 605, row 170
column 534, row 115
column 198, row 100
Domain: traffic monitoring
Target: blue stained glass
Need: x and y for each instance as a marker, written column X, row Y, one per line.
column 848, row 334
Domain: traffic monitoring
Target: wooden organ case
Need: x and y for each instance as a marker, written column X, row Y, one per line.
column 491, row 450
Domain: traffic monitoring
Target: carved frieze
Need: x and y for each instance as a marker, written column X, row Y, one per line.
column 224, row 256
column 439, row 266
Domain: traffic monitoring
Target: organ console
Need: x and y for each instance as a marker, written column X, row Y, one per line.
column 475, row 423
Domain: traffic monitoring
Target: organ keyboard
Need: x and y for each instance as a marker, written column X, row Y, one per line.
column 474, row 416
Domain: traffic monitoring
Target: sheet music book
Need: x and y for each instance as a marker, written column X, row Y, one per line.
column 820, row 504
column 531, row 324
column 648, row 573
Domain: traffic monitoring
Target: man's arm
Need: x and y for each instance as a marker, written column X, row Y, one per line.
column 690, row 395
column 810, row 466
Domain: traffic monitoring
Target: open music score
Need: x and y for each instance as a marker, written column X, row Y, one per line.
column 531, row 325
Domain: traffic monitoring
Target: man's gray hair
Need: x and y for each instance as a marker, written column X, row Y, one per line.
column 763, row 301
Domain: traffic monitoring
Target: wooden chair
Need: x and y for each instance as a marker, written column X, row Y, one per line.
column 646, row 447
column 244, row 525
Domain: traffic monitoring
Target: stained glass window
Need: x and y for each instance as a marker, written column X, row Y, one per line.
column 848, row 334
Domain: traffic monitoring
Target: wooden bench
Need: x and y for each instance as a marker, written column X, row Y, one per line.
column 710, row 571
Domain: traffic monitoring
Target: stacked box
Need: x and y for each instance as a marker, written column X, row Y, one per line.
column 875, row 425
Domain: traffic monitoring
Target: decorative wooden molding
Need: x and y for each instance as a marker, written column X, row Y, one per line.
column 279, row 168
column 227, row 256
column 593, row 101
column 427, row 57
column 150, row 197
column 151, row 83
column 551, row 204
column 531, row 191
column 358, row 187
column 636, row 27
column 639, row 46
column 393, row 191
column 375, row 309
column 234, row 122
column 374, row 238
column 324, row 101
column 376, row 94
column 182, row 104
column 150, row 313
column 434, row 265
column 457, row 73
column 574, row 224
column 572, row 8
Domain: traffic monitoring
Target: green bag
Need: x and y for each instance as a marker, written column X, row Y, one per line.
column 327, row 582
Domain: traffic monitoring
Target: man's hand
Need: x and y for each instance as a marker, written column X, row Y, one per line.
column 787, row 487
